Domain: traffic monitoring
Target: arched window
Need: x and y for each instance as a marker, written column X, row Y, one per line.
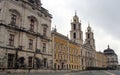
column 74, row 35
column 74, row 26
column 15, row 17
column 33, row 23
column 75, row 20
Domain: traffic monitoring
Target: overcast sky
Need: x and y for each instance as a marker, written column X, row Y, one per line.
column 103, row 16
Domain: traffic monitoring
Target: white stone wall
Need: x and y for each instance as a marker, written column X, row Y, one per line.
column 112, row 58
column 22, row 38
column 88, row 56
column 0, row 10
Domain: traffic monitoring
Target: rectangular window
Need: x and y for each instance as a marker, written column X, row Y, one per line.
column 44, row 47
column 44, row 31
column 30, row 44
column 13, row 19
column 45, row 62
column 32, row 25
column 11, row 60
column 29, row 61
column 74, row 35
column 11, row 40
column 88, row 36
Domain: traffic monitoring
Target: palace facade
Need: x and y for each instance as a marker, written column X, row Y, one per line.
column 101, row 60
column 66, row 53
column 25, row 34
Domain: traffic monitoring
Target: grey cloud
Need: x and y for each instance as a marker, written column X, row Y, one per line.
column 104, row 12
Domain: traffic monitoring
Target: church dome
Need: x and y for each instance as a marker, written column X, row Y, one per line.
column 109, row 51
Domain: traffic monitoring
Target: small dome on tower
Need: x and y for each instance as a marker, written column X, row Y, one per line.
column 76, row 18
column 89, row 28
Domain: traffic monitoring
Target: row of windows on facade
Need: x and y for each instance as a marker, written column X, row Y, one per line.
column 12, row 38
column 65, row 57
column 89, row 54
column 32, row 24
column 70, row 54
column 64, row 47
column 75, row 59
column 60, row 46
column 11, row 58
column 63, row 66
column 112, row 59
column 72, row 51
column 74, row 66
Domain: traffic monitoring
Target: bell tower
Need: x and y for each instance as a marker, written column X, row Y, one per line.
column 90, row 37
column 76, row 33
